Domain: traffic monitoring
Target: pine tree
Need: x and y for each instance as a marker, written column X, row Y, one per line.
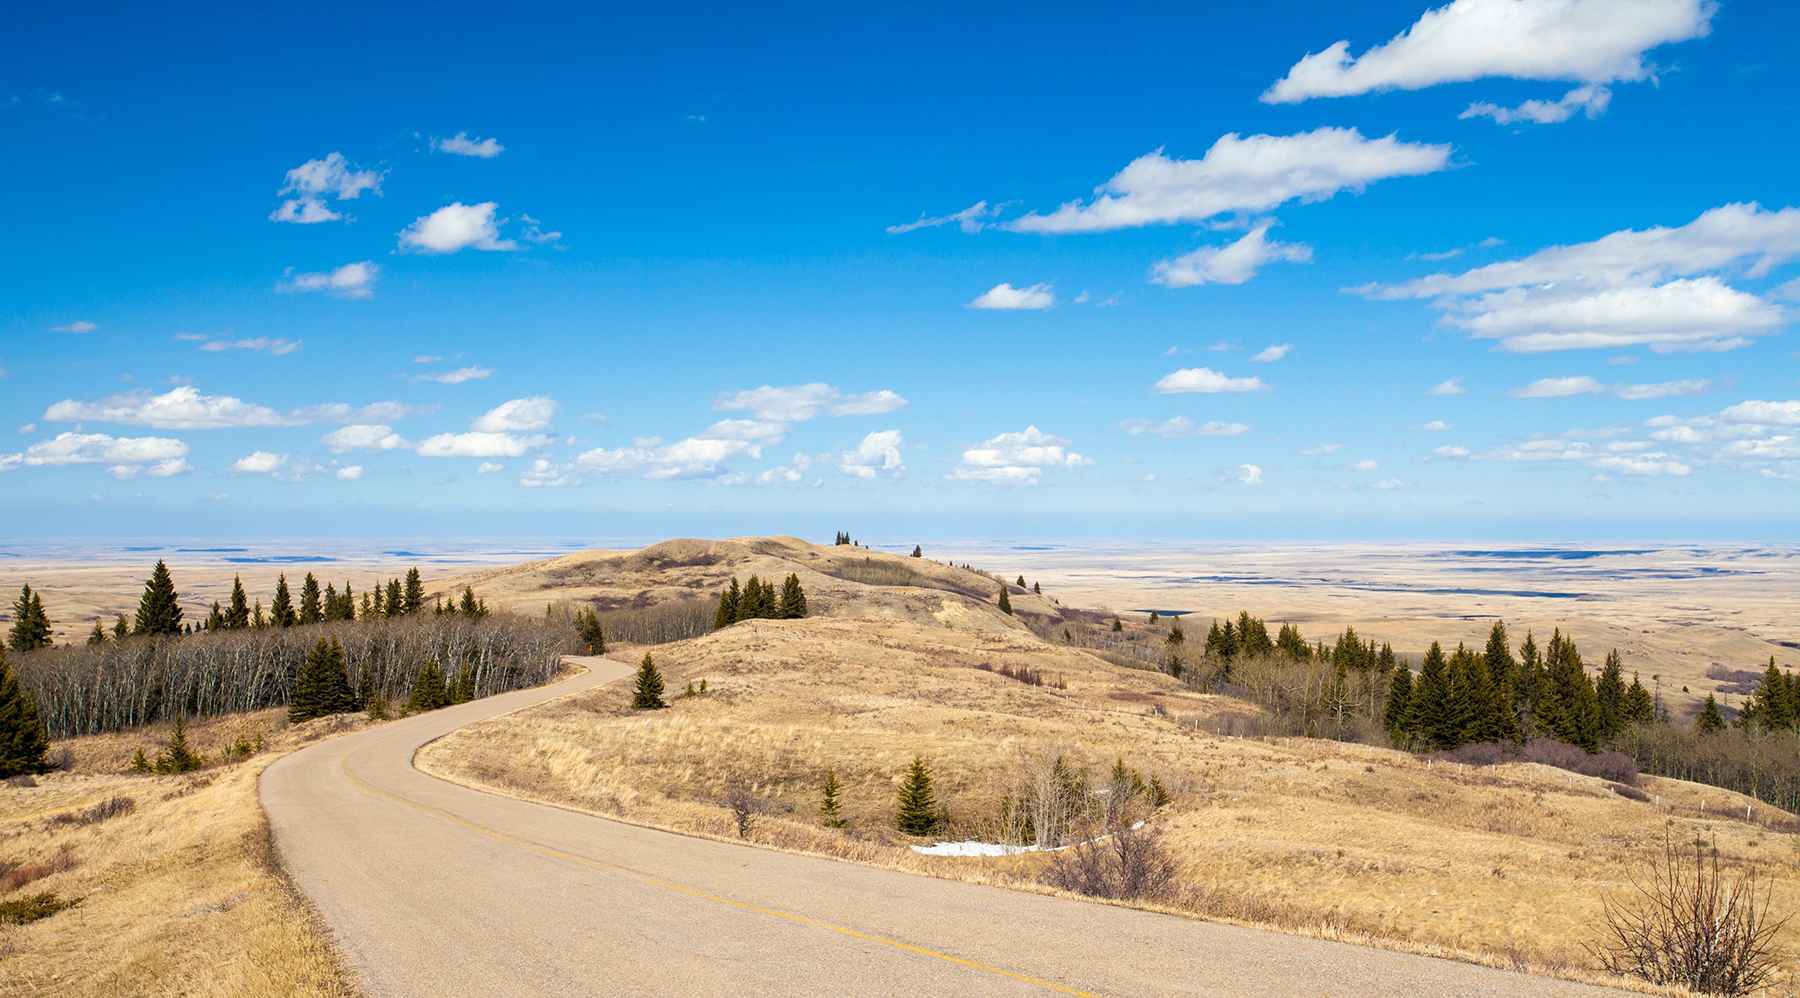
column 31, row 627
column 918, row 552
column 257, row 621
column 428, row 691
column 312, row 609
column 413, row 598
column 97, row 636
column 281, row 611
column 469, row 606
column 917, row 813
column 1771, row 707
column 322, row 686
column 793, row 599
column 1429, row 717
column 178, row 756
column 593, row 636
column 159, row 611
column 1159, row 795
column 1005, row 603
column 349, row 604
column 215, row 620
column 121, row 628
column 462, row 690
column 396, row 598
column 1710, row 721
column 1118, row 625
column 750, row 602
column 1639, row 707
column 648, row 693
column 1396, row 718
column 24, row 744
column 238, row 616
column 729, row 600
column 377, row 609
column 829, row 806
column 1471, row 699
column 1609, row 697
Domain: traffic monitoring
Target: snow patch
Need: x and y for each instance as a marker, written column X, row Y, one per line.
column 973, row 848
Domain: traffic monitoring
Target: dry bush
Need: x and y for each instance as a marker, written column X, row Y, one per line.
column 1615, row 766
column 22, row 911
column 89, row 689
column 1691, row 924
column 1128, row 863
column 662, row 623
column 744, row 806
column 1761, row 765
column 111, row 807
column 16, row 875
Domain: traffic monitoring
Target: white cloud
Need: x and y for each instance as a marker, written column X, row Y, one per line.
column 350, row 473
column 1233, row 263
column 1181, row 426
column 1365, row 464
column 1206, row 380
column 1590, row 41
column 1005, row 297
column 868, row 403
column 799, row 403
column 1250, row 474
column 181, row 408
column 478, row 444
column 1681, row 314
column 259, row 344
column 1643, row 464
column 1452, row 386
column 78, row 326
column 160, row 457
column 692, row 457
column 1388, row 484
column 757, row 431
column 517, row 415
column 878, row 453
column 791, row 473
column 352, row 280
column 1590, row 100
column 456, row 226
column 457, row 376
column 315, row 180
column 1757, row 411
column 1272, row 353
column 260, row 462
column 1623, row 457
column 1787, row 290
column 364, row 436
column 462, row 144
column 1239, row 174
column 489, row 468
column 1451, row 452
column 1662, row 390
column 343, row 412
column 970, row 219
column 1436, row 426
column 1016, row 458
column 535, row 232
column 1549, row 388
column 545, row 474
column 1320, row 450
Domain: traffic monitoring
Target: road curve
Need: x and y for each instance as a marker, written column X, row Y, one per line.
column 434, row 889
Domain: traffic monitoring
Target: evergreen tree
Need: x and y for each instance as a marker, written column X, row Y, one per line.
column 1290, row 643
column 1639, row 707
column 1771, row 708
column 1567, row 708
column 348, row 612
column 469, row 606
column 413, row 598
column 1531, row 681
column 377, row 610
column 751, row 602
column 1396, row 718
column 257, row 620
column 178, row 756
column 328, row 604
column 312, row 608
column 1036, row 589
column 1175, row 638
column 917, row 813
column 121, row 628
column 215, row 620
column 729, row 600
column 1710, row 721
column 647, row 694
column 829, row 806
column 428, row 692
column 1609, row 698
column 159, row 611
column 24, row 744
column 462, row 690
column 1021, row 582
column 237, row 617
column 1118, row 625
column 30, row 627
column 1005, row 602
column 1429, row 717
column 97, row 636
column 281, row 611
column 322, row 686
column 1472, row 699
column 396, row 599
column 793, row 599
column 918, row 552
column 593, row 636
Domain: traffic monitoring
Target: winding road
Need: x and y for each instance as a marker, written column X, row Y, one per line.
column 434, row 889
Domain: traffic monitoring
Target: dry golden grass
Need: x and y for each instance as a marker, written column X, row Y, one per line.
column 180, row 896
column 1505, row 866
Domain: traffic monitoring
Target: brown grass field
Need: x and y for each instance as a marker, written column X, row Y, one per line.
column 181, row 895
column 1504, row 865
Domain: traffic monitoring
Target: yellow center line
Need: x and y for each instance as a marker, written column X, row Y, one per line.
column 699, row 893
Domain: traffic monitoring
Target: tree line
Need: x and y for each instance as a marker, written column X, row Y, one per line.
column 758, row 600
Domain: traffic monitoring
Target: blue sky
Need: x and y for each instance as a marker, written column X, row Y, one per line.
column 1500, row 268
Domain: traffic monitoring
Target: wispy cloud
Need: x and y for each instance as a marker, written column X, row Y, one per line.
column 352, row 280
column 1205, row 380
column 315, row 181
column 1005, row 297
column 971, row 219
column 464, row 144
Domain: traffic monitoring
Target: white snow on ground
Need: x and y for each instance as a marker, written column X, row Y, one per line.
column 971, row 848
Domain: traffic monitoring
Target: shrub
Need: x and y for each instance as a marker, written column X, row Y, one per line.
column 744, row 805
column 1614, row 766
column 178, row 756
column 1128, row 863
column 1689, row 923
column 24, row 910
column 112, row 807
column 15, row 876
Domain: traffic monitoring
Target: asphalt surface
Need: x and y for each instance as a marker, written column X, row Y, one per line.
column 434, row 889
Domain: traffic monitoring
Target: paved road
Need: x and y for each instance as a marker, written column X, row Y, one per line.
column 433, row 889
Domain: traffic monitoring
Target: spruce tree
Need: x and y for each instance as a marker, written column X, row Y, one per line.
column 727, row 614
column 97, row 636
column 396, row 599
column 1609, row 697
column 30, row 627
column 462, row 688
column 312, row 607
column 750, row 604
column 1117, row 625
column 121, row 628
column 428, row 692
column 648, row 692
column 257, row 620
column 178, row 756
column 917, row 813
column 1399, row 701
column 830, row 808
column 469, row 606
column 1639, row 707
column 1005, row 602
column 349, row 603
column 281, row 611
column 413, row 599
column 793, row 599
column 215, row 620
column 377, row 610
column 1430, row 717
column 322, row 686
column 24, row 744
column 1710, row 721
column 1771, row 707
column 159, row 611
column 237, row 616
column 918, row 552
